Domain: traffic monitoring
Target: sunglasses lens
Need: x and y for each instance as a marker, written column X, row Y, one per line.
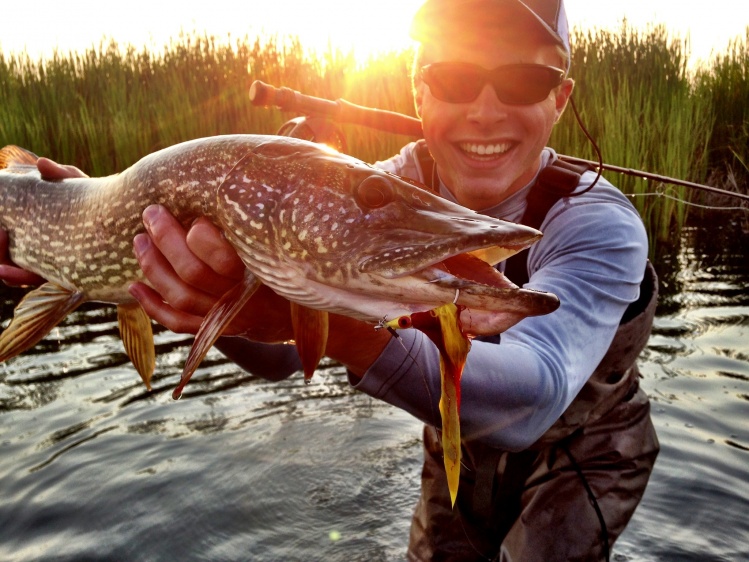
column 521, row 84
column 525, row 85
column 454, row 83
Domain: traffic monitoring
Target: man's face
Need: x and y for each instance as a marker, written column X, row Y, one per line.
column 486, row 150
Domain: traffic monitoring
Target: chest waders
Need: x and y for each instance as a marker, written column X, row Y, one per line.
column 497, row 478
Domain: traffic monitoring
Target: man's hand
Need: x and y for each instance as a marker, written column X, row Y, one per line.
column 10, row 273
column 189, row 270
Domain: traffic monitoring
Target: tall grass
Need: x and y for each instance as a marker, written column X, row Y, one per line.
column 725, row 85
column 107, row 107
column 635, row 95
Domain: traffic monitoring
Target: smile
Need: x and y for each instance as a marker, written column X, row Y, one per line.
column 476, row 149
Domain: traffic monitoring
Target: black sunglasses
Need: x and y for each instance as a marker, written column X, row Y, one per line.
column 515, row 84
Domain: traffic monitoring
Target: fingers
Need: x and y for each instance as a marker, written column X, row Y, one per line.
column 183, row 287
column 51, row 170
column 170, row 239
column 11, row 274
column 210, row 246
column 166, row 281
column 17, row 277
column 175, row 320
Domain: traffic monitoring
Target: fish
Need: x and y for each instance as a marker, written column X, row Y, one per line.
column 322, row 229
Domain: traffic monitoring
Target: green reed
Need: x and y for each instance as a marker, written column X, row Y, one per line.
column 725, row 86
column 105, row 108
column 635, row 95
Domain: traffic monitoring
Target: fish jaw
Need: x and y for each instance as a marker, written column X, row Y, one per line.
column 329, row 232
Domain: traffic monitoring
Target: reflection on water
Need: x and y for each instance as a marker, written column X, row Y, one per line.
column 94, row 467
column 696, row 371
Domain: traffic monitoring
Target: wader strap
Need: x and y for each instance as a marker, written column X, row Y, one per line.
column 554, row 182
column 500, row 478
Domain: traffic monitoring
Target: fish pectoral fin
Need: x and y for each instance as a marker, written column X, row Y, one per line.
column 214, row 324
column 38, row 312
column 137, row 336
column 310, row 335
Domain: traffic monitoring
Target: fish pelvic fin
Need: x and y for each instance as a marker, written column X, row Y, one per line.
column 214, row 324
column 38, row 312
column 16, row 159
column 310, row 335
column 137, row 336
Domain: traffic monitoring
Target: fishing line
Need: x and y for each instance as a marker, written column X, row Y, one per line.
column 596, row 148
column 593, row 500
column 685, row 202
column 395, row 335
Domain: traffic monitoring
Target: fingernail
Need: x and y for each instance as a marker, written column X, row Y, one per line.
column 141, row 242
column 149, row 214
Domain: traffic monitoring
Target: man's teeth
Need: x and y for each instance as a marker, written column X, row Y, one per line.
column 485, row 149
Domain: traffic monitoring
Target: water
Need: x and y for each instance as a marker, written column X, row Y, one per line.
column 94, row 467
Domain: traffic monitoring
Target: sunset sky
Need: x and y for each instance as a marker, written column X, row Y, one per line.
column 343, row 24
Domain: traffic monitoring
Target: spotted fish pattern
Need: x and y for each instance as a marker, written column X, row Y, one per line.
column 322, row 229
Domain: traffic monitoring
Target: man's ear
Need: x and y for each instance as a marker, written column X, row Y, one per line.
column 562, row 96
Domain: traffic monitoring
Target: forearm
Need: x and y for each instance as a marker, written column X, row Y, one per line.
column 272, row 362
column 354, row 344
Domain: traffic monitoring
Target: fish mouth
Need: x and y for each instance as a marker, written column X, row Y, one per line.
column 491, row 303
column 477, row 283
column 413, row 248
column 461, row 266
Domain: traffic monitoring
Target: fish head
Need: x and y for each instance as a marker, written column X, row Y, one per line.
column 328, row 231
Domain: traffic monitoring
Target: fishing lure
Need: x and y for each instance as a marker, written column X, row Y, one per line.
column 443, row 327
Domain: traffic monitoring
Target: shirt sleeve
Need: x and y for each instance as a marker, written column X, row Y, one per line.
column 272, row 362
column 592, row 257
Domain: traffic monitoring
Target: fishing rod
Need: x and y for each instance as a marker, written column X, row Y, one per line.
column 342, row 111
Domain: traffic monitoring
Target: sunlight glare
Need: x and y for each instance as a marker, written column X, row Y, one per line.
column 361, row 27
column 352, row 27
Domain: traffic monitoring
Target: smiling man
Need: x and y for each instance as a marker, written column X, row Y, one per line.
column 558, row 444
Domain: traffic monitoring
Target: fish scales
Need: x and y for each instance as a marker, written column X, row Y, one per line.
column 79, row 232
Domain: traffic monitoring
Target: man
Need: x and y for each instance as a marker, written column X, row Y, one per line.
column 558, row 443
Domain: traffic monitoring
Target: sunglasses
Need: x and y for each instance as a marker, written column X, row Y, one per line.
column 515, row 84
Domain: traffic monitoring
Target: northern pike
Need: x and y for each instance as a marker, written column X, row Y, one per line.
column 322, row 229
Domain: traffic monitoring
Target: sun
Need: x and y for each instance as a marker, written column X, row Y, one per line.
column 361, row 27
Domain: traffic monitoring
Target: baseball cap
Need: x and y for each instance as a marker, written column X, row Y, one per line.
column 443, row 18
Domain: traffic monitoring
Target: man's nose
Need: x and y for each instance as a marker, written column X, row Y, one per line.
column 487, row 107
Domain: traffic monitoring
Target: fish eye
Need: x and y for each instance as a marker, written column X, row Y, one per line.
column 374, row 192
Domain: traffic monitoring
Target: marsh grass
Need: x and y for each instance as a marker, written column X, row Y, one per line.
column 725, row 86
column 636, row 97
column 105, row 108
